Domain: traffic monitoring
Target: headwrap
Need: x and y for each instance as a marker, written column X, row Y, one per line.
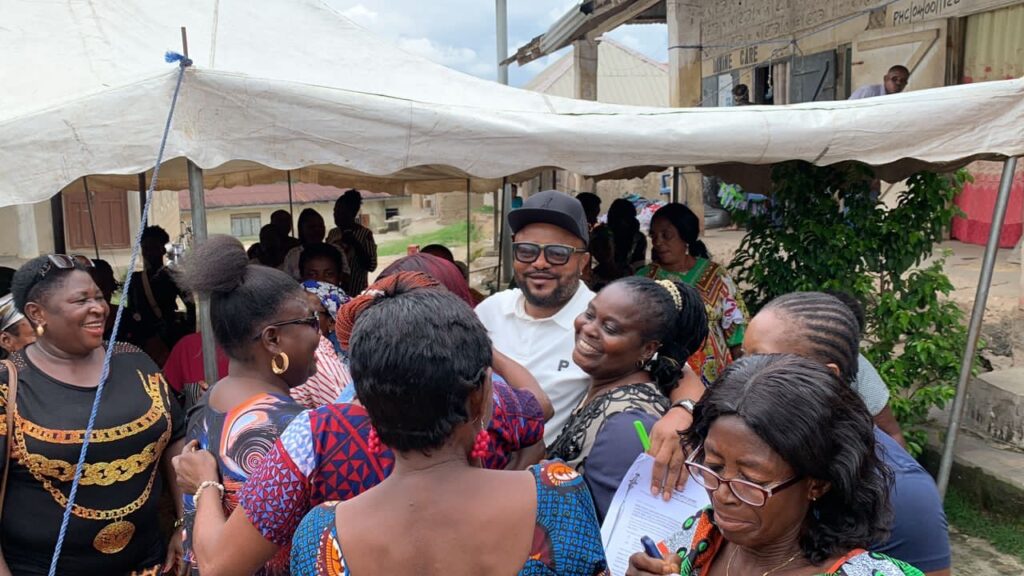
column 9, row 314
column 441, row 270
column 332, row 297
column 399, row 283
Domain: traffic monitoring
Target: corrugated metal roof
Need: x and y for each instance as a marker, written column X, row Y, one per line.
column 624, row 76
column 268, row 194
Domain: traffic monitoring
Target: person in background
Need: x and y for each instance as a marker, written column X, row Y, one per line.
column 270, row 251
column 185, row 372
column 151, row 318
column 264, row 323
column 633, row 340
column 740, row 95
column 282, row 221
column 823, row 329
column 354, row 240
column 15, row 330
column 679, row 255
column 787, row 456
column 332, row 377
column 607, row 270
column 312, row 232
column 438, row 502
column 533, row 324
column 894, row 82
column 869, row 383
column 591, row 207
column 103, row 275
column 443, row 271
column 114, row 527
column 324, row 456
column 322, row 263
column 444, row 253
column 6, row 275
column 629, row 242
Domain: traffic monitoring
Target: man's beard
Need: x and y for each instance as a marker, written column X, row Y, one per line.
column 560, row 296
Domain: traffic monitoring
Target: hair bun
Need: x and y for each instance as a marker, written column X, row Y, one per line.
column 217, row 266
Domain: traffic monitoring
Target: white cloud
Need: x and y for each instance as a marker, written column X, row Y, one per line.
column 361, row 15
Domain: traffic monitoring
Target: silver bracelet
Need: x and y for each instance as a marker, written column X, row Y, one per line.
column 203, row 486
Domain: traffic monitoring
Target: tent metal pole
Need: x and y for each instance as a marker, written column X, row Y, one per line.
column 675, row 184
column 92, row 218
column 974, row 328
column 505, row 249
column 291, row 210
column 199, row 235
column 469, row 225
column 142, row 193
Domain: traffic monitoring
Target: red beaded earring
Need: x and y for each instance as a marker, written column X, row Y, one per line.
column 480, row 449
column 373, row 443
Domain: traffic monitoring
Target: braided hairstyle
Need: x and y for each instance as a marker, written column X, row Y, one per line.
column 822, row 430
column 820, row 327
column 243, row 296
column 417, row 353
column 686, row 224
column 681, row 330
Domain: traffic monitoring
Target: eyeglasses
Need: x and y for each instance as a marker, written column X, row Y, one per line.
column 312, row 321
column 555, row 254
column 65, row 262
column 744, row 490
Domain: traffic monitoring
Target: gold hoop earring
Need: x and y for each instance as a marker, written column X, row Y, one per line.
column 284, row 364
column 40, row 330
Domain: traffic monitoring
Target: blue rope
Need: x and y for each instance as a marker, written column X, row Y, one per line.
column 183, row 63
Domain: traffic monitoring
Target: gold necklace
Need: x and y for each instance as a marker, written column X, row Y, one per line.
column 113, row 537
column 732, row 555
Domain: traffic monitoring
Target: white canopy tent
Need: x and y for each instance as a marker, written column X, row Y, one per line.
column 293, row 85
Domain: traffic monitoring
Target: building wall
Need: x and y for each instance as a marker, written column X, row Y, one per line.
column 746, row 34
column 218, row 220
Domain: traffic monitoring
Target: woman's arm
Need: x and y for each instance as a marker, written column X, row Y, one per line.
column 221, row 545
column 669, row 472
column 520, row 378
column 175, row 552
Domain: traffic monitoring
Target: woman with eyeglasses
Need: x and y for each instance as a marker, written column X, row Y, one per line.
column 114, row 526
column 633, row 340
column 264, row 323
column 787, row 454
column 678, row 254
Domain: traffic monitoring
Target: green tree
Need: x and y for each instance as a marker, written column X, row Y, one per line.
column 826, row 231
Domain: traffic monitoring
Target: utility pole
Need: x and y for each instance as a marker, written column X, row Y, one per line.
column 505, row 245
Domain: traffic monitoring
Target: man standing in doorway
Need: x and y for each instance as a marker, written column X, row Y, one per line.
column 534, row 323
column 354, row 240
column 894, row 82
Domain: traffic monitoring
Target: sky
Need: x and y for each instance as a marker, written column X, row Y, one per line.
column 461, row 33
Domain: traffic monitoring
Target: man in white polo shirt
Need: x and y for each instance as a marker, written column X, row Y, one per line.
column 533, row 324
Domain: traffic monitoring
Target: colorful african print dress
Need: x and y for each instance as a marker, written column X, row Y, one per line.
column 239, row 440
column 324, row 456
column 699, row 541
column 566, row 541
column 727, row 315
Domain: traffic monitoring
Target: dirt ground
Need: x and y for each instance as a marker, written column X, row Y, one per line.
column 977, row 557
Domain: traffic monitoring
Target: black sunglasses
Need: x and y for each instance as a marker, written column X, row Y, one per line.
column 311, row 321
column 554, row 254
column 65, row 262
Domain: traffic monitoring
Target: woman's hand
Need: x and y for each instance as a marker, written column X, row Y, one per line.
column 193, row 467
column 174, row 563
column 669, row 473
column 640, row 564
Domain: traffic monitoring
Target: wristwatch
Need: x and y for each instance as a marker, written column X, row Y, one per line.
column 685, row 404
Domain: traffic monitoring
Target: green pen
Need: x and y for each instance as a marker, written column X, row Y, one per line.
column 645, row 440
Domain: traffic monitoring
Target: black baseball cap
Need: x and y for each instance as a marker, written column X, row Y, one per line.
column 551, row 207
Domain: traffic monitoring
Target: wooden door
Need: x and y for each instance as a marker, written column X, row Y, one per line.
column 920, row 47
column 109, row 214
column 813, row 77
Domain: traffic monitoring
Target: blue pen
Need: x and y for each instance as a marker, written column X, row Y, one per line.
column 650, row 548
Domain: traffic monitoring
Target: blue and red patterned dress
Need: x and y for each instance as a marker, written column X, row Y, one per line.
column 324, row 456
column 566, row 541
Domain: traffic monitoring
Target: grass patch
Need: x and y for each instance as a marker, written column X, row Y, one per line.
column 450, row 236
column 1005, row 533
